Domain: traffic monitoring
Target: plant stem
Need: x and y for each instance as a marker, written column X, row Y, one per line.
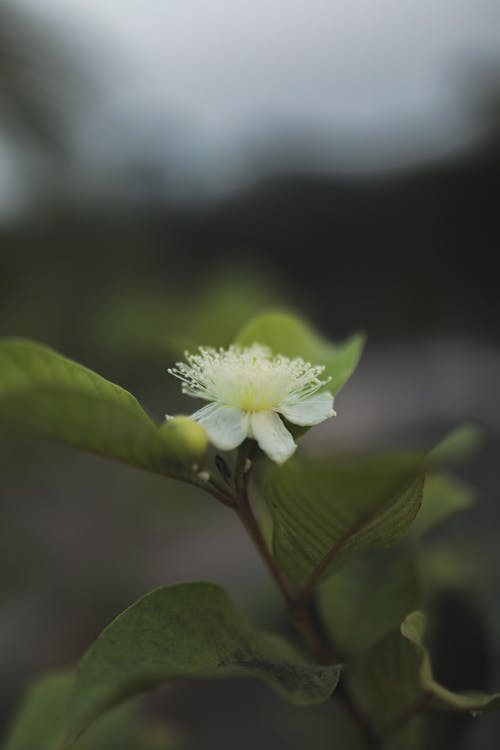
column 246, row 515
column 221, row 491
column 372, row 739
column 299, row 605
column 300, row 611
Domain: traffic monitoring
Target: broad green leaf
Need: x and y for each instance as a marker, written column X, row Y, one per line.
column 384, row 683
column 38, row 723
column 444, row 496
column 373, row 593
column 325, row 510
column 46, row 394
column 392, row 682
column 459, row 444
column 369, row 597
column 40, row 719
column 413, row 630
column 187, row 630
column 286, row 334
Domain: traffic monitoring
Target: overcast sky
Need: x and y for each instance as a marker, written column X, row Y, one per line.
column 376, row 83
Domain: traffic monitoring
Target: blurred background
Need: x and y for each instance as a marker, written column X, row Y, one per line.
column 166, row 171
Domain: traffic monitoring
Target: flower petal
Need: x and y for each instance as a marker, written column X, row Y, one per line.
column 272, row 436
column 309, row 411
column 226, row 426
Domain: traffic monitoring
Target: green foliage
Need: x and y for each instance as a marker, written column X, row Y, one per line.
column 374, row 592
column 459, row 444
column 44, row 393
column 39, row 723
column 131, row 319
column 221, row 309
column 286, row 334
column 325, row 510
column 413, row 630
column 187, row 630
column 321, row 513
column 392, row 682
column 369, row 597
column 444, row 496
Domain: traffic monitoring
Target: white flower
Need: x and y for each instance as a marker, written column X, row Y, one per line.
column 248, row 388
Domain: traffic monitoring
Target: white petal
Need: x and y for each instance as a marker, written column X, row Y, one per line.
column 272, row 436
column 309, row 411
column 226, row 426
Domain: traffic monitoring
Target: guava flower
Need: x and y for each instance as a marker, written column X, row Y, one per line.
column 249, row 390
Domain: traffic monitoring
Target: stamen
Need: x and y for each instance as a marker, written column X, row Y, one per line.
column 252, row 378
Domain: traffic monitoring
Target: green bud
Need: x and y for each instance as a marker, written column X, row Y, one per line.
column 186, row 438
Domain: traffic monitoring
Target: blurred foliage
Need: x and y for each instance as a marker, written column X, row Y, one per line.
column 36, row 82
column 165, row 321
column 39, row 723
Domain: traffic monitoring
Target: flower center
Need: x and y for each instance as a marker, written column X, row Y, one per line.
column 251, row 379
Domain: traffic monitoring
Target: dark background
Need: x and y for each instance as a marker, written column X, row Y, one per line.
column 122, row 279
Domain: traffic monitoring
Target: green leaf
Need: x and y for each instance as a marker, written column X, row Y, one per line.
column 373, row 593
column 187, row 630
column 286, row 334
column 39, row 723
column 369, row 597
column 325, row 510
column 392, row 682
column 444, row 496
column 459, row 444
column 44, row 393
column 413, row 630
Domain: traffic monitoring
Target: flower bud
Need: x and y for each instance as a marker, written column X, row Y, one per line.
column 186, row 439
